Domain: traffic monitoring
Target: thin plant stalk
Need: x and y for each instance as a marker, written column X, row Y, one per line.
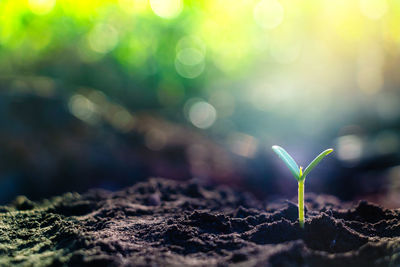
column 301, row 203
column 299, row 174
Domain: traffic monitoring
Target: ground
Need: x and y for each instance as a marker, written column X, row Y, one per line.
column 169, row 223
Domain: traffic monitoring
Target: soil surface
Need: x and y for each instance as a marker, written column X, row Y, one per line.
column 169, row 223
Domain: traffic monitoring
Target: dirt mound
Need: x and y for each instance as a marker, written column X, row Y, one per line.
column 167, row 223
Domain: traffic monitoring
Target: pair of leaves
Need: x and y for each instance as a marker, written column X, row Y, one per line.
column 292, row 165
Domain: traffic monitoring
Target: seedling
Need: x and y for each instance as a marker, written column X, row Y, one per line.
column 299, row 174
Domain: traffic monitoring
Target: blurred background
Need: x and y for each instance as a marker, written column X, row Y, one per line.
column 107, row 93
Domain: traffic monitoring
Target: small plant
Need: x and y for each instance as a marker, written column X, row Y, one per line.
column 299, row 174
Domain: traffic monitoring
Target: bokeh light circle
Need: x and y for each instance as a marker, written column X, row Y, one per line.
column 103, row 38
column 373, row 9
column 268, row 14
column 202, row 114
column 190, row 57
column 189, row 71
column 41, row 7
column 167, row 9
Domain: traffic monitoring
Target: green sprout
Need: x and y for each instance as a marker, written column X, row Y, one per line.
column 299, row 174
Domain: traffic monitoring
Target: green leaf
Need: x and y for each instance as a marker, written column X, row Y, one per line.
column 289, row 161
column 316, row 161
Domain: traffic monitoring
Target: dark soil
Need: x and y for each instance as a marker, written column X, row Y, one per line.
column 168, row 223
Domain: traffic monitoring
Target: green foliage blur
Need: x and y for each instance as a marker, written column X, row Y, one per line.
column 145, row 54
column 267, row 68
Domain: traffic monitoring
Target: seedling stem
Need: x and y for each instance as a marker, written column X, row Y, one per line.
column 301, row 203
column 299, row 174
